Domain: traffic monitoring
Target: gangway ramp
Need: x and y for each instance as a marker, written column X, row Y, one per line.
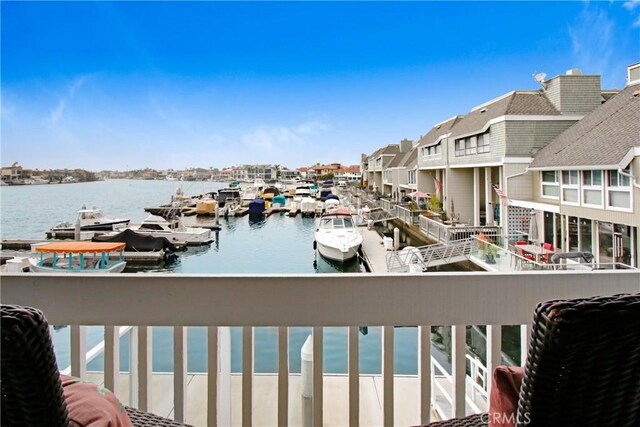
column 418, row 259
column 379, row 214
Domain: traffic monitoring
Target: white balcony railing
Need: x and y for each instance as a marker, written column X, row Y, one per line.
column 323, row 300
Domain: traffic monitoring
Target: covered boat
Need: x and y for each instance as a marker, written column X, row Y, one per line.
column 270, row 192
column 77, row 257
column 308, row 206
column 173, row 230
column 138, row 242
column 336, row 236
column 279, row 200
column 256, row 207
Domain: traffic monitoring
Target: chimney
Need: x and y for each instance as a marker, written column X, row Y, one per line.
column 406, row 145
column 574, row 93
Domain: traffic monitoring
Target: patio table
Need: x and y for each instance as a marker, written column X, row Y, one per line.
column 536, row 251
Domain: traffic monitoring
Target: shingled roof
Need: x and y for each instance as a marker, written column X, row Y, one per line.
column 437, row 131
column 602, row 138
column 410, row 159
column 533, row 103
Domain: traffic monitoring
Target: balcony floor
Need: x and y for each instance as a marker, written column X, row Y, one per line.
column 336, row 410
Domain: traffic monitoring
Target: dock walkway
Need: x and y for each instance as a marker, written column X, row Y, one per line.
column 336, row 398
column 373, row 250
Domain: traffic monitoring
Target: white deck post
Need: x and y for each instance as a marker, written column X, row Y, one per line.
column 112, row 358
column 78, row 351
column 494, row 351
column 424, row 372
column 179, row 373
column 247, row 376
column 459, row 369
column 354, row 377
column 387, row 375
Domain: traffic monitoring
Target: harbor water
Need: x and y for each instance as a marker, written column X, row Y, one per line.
column 278, row 244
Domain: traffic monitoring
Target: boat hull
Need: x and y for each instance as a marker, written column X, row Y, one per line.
column 105, row 226
column 115, row 267
column 338, row 254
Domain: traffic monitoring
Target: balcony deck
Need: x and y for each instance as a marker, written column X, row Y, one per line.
column 323, row 300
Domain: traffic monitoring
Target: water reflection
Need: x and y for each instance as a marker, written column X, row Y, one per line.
column 325, row 265
column 256, row 221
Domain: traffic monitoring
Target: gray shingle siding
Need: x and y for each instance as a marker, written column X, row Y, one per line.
column 527, row 137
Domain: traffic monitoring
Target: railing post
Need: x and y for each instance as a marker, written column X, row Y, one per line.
column 458, row 369
column 318, row 376
column 78, row 351
column 144, row 362
column 112, row 358
column 133, row 367
column 387, row 375
column 354, row 377
column 247, row 376
column 179, row 373
column 212, row 375
column 283, row 376
column 524, row 344
column 494, row 351
column 425, row 373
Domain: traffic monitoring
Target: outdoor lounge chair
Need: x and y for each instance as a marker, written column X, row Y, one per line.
column 31, row 388
column 583, row 366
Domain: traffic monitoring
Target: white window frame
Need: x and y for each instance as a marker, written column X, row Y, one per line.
column 411, row 177
column 387, row 176
column 460, row 147
column 592, row 187
column 570, row 186
column 626, row 188
column 470, row 146
column 544, row 183
column 484, row 143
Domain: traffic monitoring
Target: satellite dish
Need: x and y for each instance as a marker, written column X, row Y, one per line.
column 540, row 77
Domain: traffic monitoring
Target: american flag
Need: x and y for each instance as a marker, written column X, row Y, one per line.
column 504, row 200
column 437, row 184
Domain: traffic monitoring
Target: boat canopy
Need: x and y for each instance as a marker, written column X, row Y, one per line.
column 78, row 247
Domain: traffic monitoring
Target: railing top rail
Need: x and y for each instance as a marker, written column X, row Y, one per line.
column 305, row 300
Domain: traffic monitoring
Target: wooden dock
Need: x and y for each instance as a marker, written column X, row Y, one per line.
column 335, row 400
column 373, row 250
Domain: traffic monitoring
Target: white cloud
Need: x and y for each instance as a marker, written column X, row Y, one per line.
column 592, row 38
column 631, row 4
column 275, row 138
column 57, row 113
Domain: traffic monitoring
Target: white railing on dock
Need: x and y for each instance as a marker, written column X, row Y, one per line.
column 318, row 301
column 445, row 233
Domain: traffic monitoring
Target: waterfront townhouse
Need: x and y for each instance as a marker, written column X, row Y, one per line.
column 379, row 161
column 585, row 192
column 432, row 158
column 495, row 142
column 394, row 174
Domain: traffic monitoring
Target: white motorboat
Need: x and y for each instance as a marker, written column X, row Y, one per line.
column 173, row 230
column 302, row 191
column 77, row 257
column 90, row 220
column 337, row 237
column 308, row 206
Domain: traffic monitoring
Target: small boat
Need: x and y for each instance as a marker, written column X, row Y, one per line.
column 77, row 257
column 228, row 194
column 90, row 220
column 138, row 242
column 301, row 192
column 332, row 203
column 336, row 236
column 308, row 206
column 256, row 207
column 172, row 229
column 270, row 192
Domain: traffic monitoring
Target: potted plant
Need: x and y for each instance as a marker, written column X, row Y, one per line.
column 489, row 250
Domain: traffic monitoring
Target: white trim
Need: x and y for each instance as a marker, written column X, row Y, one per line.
column 430, row 168
column 535, row 205
column 447, row 120
column 628, row 158
column 517, row 160
column 574, row 168
column 493, row 100
column 475, row 165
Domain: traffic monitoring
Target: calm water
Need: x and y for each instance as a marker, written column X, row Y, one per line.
column 278, row 244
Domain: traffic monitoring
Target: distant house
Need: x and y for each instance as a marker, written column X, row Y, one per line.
column 13, row 173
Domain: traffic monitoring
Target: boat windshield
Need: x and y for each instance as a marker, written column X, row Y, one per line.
column 337, row 223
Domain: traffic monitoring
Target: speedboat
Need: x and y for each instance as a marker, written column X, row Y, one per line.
column 336, row 236
column 173, row 230
column 301, row 192
column 77, row 257
column 90, row 220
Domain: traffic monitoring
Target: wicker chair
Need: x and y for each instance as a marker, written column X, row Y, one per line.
column 583, row 366
column 30, row 386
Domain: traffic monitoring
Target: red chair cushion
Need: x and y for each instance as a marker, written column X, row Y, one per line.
column 91, row 405
column 503, row 401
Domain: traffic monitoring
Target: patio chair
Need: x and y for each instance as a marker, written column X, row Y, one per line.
column 583, row 366
column 31, row 388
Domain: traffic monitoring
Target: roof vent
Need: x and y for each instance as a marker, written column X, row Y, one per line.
column 483, row 110
column 574, row 72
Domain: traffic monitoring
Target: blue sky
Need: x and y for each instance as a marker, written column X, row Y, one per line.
column 171, row 84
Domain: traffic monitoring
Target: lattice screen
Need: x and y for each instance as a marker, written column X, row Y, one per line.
column 518, row 220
